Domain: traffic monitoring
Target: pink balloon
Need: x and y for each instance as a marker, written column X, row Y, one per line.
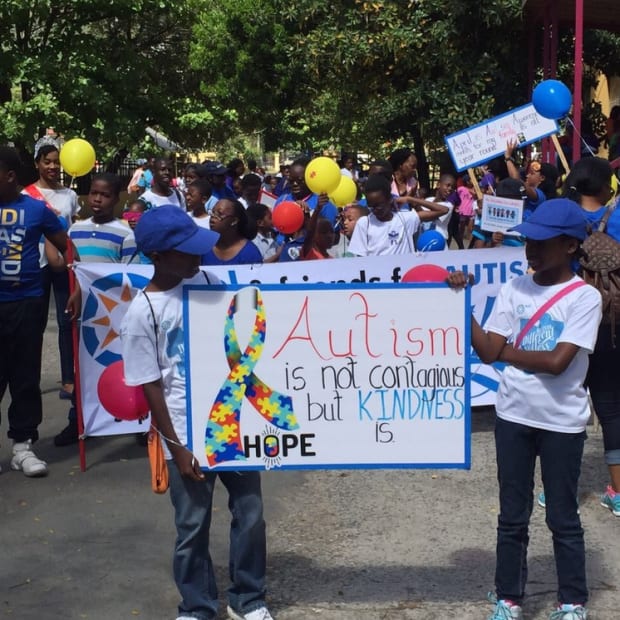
column 121, row 401
column 426, row 273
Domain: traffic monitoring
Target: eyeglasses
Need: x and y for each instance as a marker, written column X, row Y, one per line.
column 220, row 216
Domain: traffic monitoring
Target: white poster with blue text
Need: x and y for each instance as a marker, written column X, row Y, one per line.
column 327, row 376
column 480, row 143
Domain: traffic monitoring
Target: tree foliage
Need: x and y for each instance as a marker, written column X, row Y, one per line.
column 306, row 74
column 100, row 69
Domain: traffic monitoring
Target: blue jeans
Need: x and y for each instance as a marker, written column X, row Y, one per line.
column 59, row 282
column 605, row 391
column 560, row 463
column 607, row 407
column 193, row 569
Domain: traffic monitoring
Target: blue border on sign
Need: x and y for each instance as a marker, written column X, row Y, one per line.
column 466, row 464
column 482, row 124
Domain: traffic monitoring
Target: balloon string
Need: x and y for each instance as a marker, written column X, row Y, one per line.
column 570, row 121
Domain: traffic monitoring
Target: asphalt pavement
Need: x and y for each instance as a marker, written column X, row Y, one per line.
column 343, row 545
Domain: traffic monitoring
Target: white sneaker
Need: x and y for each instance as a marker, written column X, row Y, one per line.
column 262, row 613
column 26, row 460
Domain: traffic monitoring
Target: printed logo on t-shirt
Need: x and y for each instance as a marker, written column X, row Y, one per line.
column 176, row 349
column 293, row 252
column 12, row 235
column 543, row 336
column 393, row 236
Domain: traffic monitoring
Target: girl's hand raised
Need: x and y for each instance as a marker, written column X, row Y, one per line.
column 459, row 279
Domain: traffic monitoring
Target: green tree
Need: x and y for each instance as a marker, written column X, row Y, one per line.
column 100, row 69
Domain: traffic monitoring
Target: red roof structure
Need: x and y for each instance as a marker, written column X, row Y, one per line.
column 578, row 15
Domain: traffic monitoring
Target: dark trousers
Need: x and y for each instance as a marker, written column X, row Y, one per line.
column 21, row 335
column 58, row 281
column 560, row 462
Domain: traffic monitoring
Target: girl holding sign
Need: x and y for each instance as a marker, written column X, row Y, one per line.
column 542, row 326
column 540, row 180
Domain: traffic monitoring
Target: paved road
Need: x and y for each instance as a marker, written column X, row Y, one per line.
column 343, row 545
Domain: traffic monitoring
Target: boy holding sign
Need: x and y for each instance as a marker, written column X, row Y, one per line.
column 153, row 353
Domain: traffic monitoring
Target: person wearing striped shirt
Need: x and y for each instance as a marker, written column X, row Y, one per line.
column 101, row 238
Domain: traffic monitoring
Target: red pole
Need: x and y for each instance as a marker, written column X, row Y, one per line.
column 546, row 67
column 76, row 356
column 553, row 62
column 577, row 104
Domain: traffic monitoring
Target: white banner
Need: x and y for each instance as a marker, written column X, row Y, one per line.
column 108, row 288
column 327, row 376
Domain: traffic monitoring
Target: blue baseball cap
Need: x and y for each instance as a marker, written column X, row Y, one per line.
column 170, row 228
column 555, row 217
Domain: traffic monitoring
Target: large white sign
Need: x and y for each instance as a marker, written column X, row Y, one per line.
column 480, row 143
column 107, row 290
column 327, row 376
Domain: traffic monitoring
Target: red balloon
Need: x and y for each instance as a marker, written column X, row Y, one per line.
column 426, row 273
column 122, row 401
column 288, row 217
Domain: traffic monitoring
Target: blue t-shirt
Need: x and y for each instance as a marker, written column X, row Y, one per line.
column 224, row 192
column 249, row 254
column 22, row 223
column 613, row 223
column 530, row 205
column 329, row 210
column 146, row 179
column 292, row 250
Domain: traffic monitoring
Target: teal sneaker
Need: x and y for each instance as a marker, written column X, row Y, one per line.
column 611, row 500
column 543, row 503
column 504, row 610
column 569, row 612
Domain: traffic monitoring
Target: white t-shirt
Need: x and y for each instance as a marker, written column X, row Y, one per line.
column 540, row 400
column 201, row 221
column 155, row 200
column 65, row 203
column 148, row 359
column 441, row 223
column 267, row 246
column 371, row 237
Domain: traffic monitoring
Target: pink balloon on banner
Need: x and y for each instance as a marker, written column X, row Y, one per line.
column 122, row 401
column 426, row 273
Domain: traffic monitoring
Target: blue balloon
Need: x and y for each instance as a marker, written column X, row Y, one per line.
column 552, row 99
column 431, row 241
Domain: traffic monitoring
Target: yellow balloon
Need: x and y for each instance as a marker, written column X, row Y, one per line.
column 614, row 189
column 345, row 193
column 322, row 175
column 77, row 157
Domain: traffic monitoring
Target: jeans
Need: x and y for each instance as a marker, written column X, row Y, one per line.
column 607, row 407
column 21, row 335
column 560, row 462
column 59, row 282
column 604, row 388
column 193, row 569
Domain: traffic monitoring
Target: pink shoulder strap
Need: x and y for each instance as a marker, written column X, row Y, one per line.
column 539, row 313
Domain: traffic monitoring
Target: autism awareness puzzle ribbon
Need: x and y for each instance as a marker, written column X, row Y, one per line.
column 223, row 433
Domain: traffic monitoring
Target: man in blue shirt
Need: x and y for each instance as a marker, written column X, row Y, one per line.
column 216, row 175
column 23, row 220
column 298, row 192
